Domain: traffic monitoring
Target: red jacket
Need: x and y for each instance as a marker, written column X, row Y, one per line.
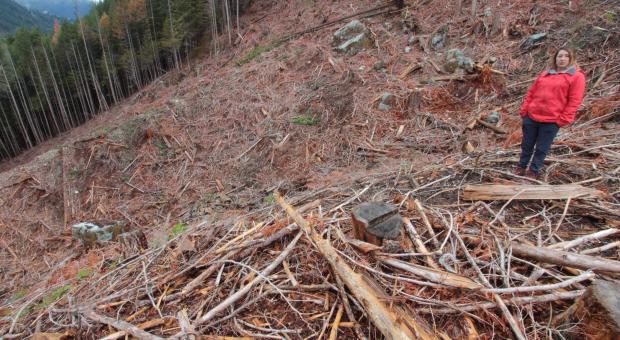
column 554, row 97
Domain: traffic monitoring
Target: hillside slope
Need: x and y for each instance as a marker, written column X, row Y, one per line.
column 13, row 16
column 59, row 8
column 190, row 166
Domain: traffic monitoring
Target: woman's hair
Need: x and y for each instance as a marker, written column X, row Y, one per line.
column 572, row 60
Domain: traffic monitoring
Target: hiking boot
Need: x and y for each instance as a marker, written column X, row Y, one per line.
column 532, row 174
column 519, row 171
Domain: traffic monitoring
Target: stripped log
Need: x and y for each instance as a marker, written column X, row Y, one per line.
column 120, row 325
column 438, row 276
column 386, row 321
column 145, row 325
column 492, row 192
column 564, row 258
column 584, row 239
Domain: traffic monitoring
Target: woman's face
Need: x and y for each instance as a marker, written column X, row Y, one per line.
column 562, row 59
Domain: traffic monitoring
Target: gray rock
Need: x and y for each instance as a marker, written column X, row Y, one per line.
column 533, row 40
column 412, row 39
column 492, row 118
column 90, row 233
column 379, row 65
column 456, row 59
column 387, row 101
column 407, row 49
column 352, row 38
column 355, row 44
column 438, row 40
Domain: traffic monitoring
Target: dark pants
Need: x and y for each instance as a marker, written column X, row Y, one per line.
column 539, row 135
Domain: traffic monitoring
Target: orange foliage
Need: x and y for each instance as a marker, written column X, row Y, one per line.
column 104, row 21
column 55, row 32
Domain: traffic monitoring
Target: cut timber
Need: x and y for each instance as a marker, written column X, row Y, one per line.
column 598, row 311
column 564, row 258
column 386, row 321
column 492, row 192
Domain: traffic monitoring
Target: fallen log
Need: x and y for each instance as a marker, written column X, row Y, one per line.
column 417, row 241
column 383, row 318
column 120, row 325
column 492, row 192
column 564, row 258
column 583, row 239
column 491, row 126
column 145, row 325
column 515, row 301
column 437, row 276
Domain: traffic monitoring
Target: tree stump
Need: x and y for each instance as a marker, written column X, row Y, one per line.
column 413, row 102
column 133, row 243
column 375, row 221
column 597, row 312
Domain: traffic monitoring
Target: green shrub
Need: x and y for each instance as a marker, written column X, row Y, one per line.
column 177, row 229
column 304, row 120
column 269, row 200
column 19, row 294
column 256, row 51
column 54, row 296
column 82, row 273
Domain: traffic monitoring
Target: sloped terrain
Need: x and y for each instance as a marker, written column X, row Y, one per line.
column 13, row 16
column 191, row 163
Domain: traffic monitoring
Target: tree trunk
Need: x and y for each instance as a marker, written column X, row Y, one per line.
column 47, row 99
column 105, row 63
column 103, row 104
column 22, row 126
column 174, row 48
column 84, row 81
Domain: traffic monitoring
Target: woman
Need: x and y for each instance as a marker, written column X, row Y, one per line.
column 550, row 104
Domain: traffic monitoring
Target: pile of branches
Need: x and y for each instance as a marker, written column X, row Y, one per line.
column 506, row 267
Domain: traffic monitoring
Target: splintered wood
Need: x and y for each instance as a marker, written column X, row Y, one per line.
column 492, row 192
column 384, row 319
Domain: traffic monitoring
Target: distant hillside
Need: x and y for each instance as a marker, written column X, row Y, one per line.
column 59, row 8
column 13, row 15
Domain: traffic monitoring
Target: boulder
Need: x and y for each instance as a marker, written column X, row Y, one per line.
column 352, row 38
column 456, row 59
column 90, row 233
